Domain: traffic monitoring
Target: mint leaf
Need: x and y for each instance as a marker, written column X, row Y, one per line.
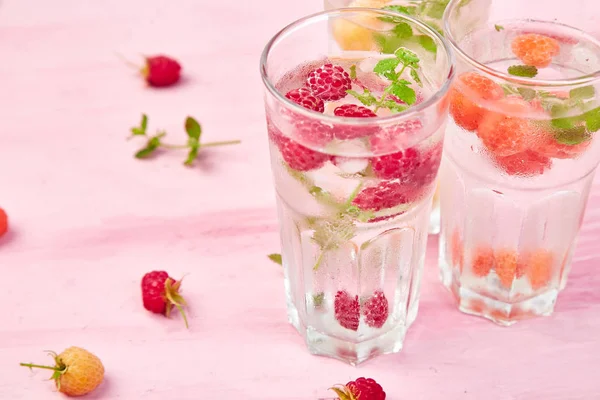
column 592, row 119
column 192, row 127
column 276, row 258
column 564, row 123
column 392, row 105
column 192, row 154
column 366, row 97
column 434, row 9
column 525, row 71
column 141, row 130
column 572, row 136
column 402, row 30
column 498, row 28
column 402, row 91
column 527, row 94
column 318, row 299
column 408, row 10
column 582, row 93
column 387, row 68
column 151, row 146
column 427, row 43
column 353, row 72
column 415, row 75
column 407, row 57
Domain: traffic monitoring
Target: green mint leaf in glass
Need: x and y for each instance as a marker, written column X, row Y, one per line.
column 393, row 106
column 318, row 299
column 402, row 30
column 402, row 91
column 525, row 71
column 573, row 136
column 527, row 94
column 498, row 28
column 387, row 68
column 192, row 127
column 353, row 72
column 366, row 97
column 407, row 57
column 427, row 43
column 433, row 9
column 582, row 93
column 407, row 10
column 276, row 258
column 564, row 123
column 415, row 75
column 592, row 119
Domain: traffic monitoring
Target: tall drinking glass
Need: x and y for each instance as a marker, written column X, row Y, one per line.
column 520, row 152
column 349, row 37
column 356, row 142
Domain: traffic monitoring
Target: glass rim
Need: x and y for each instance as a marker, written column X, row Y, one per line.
column 323, row 15
column 576, row 81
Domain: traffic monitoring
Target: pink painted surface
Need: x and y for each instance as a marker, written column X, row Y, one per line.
column 88, row 220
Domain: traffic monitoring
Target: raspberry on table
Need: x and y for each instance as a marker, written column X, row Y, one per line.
column 483, row 261
column 506, row 266
column 365, row 389
column 304, row 97
column 387, row 194
column 161, row 71
column 3, row 222
column 344, row 132
column 535, row 49
column 470, row 89
column 347, row 310
column 376, row 309
column 504, row 134
column 329, row 82
column 526, row 163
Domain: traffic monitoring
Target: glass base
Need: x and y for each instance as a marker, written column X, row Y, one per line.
column 504, row 313
column 321, row 344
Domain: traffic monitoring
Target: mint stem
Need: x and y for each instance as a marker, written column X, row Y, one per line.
column 224, row 143
column 319, row 260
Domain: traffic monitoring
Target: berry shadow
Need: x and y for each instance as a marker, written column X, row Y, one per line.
column 102, row 392
column 10, row 236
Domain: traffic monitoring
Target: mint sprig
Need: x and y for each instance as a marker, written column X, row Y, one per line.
column 276, row 258
column 155, row 142
column 525, row 71
column 400, row 88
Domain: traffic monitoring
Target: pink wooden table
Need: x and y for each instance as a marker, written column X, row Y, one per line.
column 88, row 220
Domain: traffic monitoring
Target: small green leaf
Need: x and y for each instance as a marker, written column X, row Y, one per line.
column 427, row 43
column 592, row 119
column 527, row 94
column 276, row 258
column 144, row 123
column 498, row 28
column 407, row 57
column 573, row 136
column 387, row 68
column 402, row 30
column 582, row 93
column 525, row 71
column 318, row 299
column 192, row 127
column 435, row 9
column 192, row 154
column 151, row 146
column 403, row 92
column 415, row 75
column 411, row 10
column 141, row 130
column 353, row 72
column 366, row 97
column 393, row 106
column 387, row 43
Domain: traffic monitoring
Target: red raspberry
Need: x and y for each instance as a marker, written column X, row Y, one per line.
column 297, row 156
column 410, row 166
column 535, row 49
column 386, row 195
column 161, row 71
column 3, row 222
column 306, row 99
column 313, row 131
column 464, row 107
column 504, row 134
column 360, row 389
column 347, row 310
column 527, row 163
column 558, row 38
column 329, row 82
column 160, row 293
column 376, row 309
column 343, row 132
column 483, row 261
column 394, row 137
